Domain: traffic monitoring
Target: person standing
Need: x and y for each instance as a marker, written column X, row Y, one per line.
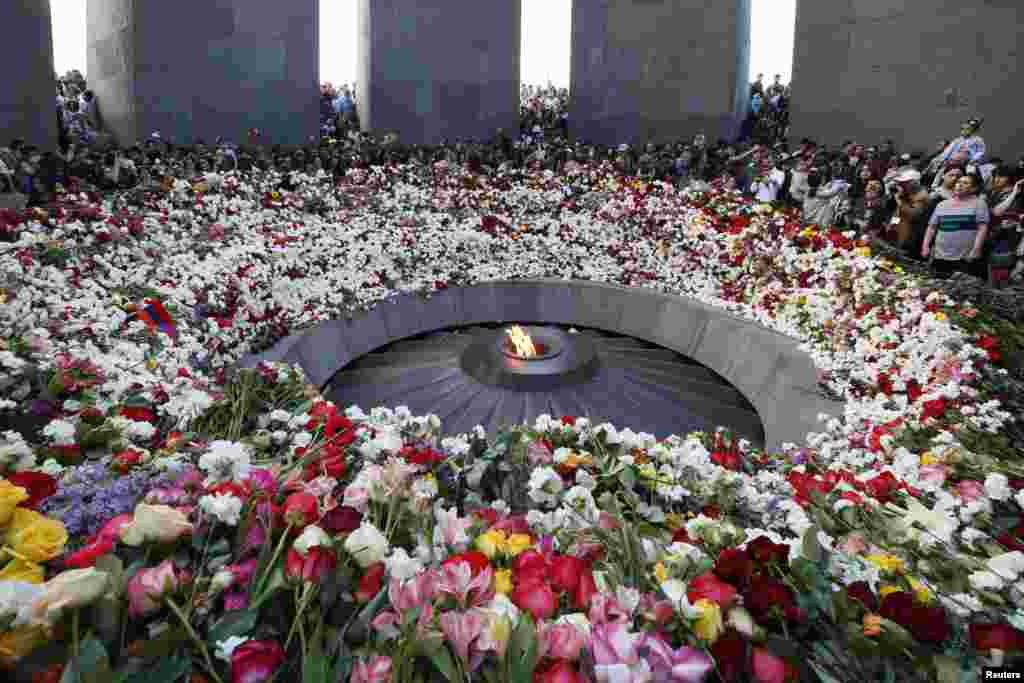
column 959, row 228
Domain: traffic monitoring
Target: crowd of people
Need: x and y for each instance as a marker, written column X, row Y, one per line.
column 957, row 206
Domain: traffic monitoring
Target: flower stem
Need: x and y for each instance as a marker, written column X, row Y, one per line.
column 261, row 584
column 195, row 637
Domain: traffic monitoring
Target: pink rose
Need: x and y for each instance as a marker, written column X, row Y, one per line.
column 147, row 588
column 936, row 473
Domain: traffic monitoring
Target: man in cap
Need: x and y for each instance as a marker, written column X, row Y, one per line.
column 969, row 142
column 910, row 221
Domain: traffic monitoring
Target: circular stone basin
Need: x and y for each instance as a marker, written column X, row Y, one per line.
column 563, row 359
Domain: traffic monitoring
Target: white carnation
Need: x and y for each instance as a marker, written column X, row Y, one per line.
column 224, row 506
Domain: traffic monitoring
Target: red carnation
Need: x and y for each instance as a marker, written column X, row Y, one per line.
column 301, row 509
column 371, row 582
column 314, row 565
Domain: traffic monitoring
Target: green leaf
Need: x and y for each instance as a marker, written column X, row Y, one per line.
column 438, row 654
column 825, row 677
column 168, row 670
column 315, row 667
column 91, row 666
column 164, row 645
column 237, row 623
column 811, row 548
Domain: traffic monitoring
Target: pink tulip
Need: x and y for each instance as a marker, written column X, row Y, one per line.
column 605, row 608
column 147, row 588
column 685, row 665
column 410, row 594
column 457, row 579
column 615, row 654
column 561, row 641
column 373, row 670
column 255, row 661
column 462, row 630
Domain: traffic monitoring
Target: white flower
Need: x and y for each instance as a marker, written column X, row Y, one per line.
column 367, row 545
column 281, row 416
column 224, row 506
column 581, row 508
column 227, row 647
column 401, row 566
column 52, row 467
column 1020, row 499
column 984, row 580
column 962, row 604
column 997, row 486
column 675, row 591
column 222, row 580
column 544, row 486
column 225, row 461
column 1008, row 565
column 16, row 596
column 310, row 537
column 60, row 432
column 140, row 431
column 386, row 441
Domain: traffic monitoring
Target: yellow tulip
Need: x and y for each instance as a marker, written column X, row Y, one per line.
column 491, row 543
column 517, row 543
column 503, row 581
column 709, row 624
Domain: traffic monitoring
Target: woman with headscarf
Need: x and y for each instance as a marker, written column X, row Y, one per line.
column 958, row 227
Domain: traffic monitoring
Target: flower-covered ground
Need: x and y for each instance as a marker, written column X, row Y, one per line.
column 163, row 515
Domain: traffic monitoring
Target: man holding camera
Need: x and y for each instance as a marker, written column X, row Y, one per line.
column 910, row 221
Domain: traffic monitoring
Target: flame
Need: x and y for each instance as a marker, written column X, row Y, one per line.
column 522, row 342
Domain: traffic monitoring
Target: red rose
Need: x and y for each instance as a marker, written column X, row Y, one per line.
column 766, row 593
column 730, row 653
column 933, row 409
column 315, row 565
column 536, row 597
column 138, row 414
column 255, row 661
column 734, row 565
column 996, row 637
column 586, row 589
column 710, row 587
column 371, row 582
column 342, row 519
column 565, row 573
column 861, row 592
column 730, row 460
column 899, row 607
column 882, row 487
column 929, row 624
column 763, row 549
column 476, row 560
column 38, row 485
column 301, row 509
column 568, row 420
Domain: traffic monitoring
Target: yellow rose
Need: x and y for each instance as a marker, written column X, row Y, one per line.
column 10, row 497
column 928, row 458
column 709, row 624
column 22, row 570
column 491, row 543
column 34, row 536
column 921, row 592
column 18, row 643
column 503, row 581
column 517, row 543
column 660, row 572
column 888, row 563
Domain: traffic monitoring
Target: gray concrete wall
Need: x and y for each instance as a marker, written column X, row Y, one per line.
column 658, row 69
column 910, row 70
column 206, row 68
column 437, row 69
column 28, row 98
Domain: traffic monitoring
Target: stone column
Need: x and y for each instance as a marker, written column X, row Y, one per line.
column 910, row 70
column 439, row 69
column 199, row 69
column 659, row 69
column 28, row 99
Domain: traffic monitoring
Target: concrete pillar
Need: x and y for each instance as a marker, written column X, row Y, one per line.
column 199, row 69
column 439, row 69
column 658, row 69
column 910, row 70
column 28, row 98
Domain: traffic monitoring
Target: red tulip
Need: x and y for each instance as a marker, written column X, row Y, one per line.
column 476, row 560
column 313, row 567
column 559, row 671
column 371, row 582
column 708, row 586
column 586, row 589
column 530, row 565
column 255, row 661
column 565, row 573
column 301, row 509
column 536, row 597
column 341, row 519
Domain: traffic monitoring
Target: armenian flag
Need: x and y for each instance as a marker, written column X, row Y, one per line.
column 156, row 317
